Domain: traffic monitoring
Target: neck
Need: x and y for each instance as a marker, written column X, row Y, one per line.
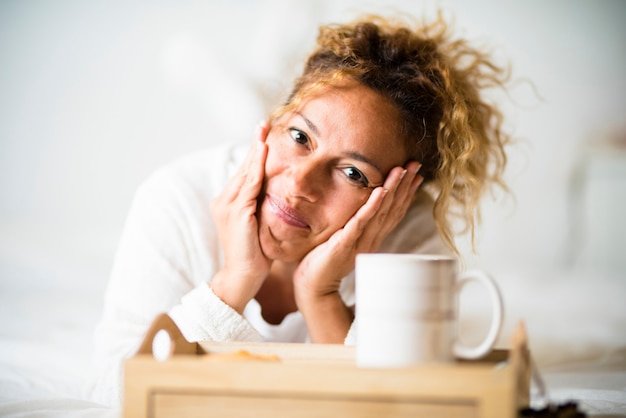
column 276, row 295
column 282, row 271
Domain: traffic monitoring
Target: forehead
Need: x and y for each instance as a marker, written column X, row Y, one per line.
column 353, row 117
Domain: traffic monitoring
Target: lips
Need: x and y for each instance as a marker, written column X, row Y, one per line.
column 287, row 214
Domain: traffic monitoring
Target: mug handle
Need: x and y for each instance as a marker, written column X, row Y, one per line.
column 496, row 320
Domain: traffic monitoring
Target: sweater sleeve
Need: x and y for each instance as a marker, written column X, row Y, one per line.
column 167, row 254
column 202, row 316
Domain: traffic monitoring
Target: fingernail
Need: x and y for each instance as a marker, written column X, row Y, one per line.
column 415, row 166
column 261, row 126
column 403, row 174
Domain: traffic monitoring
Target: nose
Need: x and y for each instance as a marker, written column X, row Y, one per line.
column 307, row 178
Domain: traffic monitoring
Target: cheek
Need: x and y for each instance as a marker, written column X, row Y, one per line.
column 276, row 160
column 342, row 206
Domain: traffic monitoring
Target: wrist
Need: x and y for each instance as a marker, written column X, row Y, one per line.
column 327, row 317
column 234, row 290
column 308, row 290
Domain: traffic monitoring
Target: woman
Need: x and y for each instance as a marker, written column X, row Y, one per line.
column 379, row 109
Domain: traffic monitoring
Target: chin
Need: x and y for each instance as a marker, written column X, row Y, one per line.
column 283, row 251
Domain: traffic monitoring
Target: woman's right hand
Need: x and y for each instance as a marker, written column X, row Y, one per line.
column 234, row 211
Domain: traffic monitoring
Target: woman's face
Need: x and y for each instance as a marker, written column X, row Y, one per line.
column 324, row 159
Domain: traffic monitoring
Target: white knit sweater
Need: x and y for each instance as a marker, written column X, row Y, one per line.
column 169, row 252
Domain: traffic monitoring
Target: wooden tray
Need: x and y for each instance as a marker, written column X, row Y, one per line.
column 313, row 380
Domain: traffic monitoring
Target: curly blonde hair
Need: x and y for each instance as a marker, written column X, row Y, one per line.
column 437, row 83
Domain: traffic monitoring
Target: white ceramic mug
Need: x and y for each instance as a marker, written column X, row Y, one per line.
column 407, row 310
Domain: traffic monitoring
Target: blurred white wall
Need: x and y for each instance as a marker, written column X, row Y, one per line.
column 95, row 95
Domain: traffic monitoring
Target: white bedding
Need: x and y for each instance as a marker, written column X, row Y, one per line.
column 49, row 305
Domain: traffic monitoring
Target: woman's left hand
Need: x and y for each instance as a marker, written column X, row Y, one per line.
column 319, row 274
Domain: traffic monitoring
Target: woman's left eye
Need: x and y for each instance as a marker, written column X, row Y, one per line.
column 356, row 176
column 299, row 136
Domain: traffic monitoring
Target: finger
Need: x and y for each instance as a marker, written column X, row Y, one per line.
column 256, row 168
column 404, row 193
column 417, row 182
column 402, row 187
column 255, row 163
column 356, row 225
column 260, row 135
column 401, row 191
column 376, row 202
column 263, row 128
column 234, row 185
column 395, row 178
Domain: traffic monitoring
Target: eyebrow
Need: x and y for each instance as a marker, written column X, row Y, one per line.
column 351, row 154
column 310, row 124
column 360, row 157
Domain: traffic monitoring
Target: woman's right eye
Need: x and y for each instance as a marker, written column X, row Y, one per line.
column 298, row 136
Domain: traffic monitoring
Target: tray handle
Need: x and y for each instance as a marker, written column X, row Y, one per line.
column 178, row 343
